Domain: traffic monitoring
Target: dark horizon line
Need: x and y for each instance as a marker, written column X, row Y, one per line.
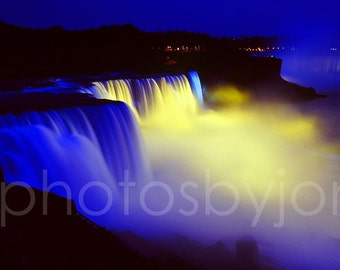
column 287, row 40
column 139, row 29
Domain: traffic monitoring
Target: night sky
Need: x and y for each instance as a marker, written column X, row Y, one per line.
column 215, row 17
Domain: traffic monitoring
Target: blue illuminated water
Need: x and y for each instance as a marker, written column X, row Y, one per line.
column 320, row 70
column 73, row 148
column 89, row 150
column 98, row 147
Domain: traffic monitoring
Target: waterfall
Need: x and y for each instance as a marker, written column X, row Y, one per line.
column 196, row 86
column 74, row 147
column 63, row 150
column 153, row 95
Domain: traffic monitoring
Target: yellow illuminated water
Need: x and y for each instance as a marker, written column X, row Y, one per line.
column 239, row 169
column 267, row 169
column 150, row 97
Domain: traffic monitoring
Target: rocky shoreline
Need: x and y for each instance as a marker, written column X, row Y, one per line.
column 59, row 237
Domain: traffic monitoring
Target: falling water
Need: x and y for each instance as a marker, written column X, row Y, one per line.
column 72, row 148
column 146, row 96
column 68, row 149
column 271, row 163
column 196, row 86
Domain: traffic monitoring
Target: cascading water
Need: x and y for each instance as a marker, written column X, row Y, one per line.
column 225, row 174
column 91, row 146
column 196, row 86
column 148, row 95
column 72, row 148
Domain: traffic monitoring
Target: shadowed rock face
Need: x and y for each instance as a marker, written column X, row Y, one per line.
column 247, row 254
column 262, row 87
column 260, row 77
column 61, row 238
column 21, row 102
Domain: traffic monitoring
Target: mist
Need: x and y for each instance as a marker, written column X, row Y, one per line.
column 266, row 171
column 263, row 171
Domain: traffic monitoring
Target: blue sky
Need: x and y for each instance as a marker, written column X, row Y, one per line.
column 216, row 17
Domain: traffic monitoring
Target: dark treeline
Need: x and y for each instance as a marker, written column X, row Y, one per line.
column 26, row 52
column 34, row 54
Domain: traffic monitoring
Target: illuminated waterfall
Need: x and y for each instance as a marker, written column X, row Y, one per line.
column 97, row 147
column 148, row 95
column 73, row 147
column 196, row 86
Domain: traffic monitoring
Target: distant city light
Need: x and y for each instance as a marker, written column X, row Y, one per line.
column 183, row 48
